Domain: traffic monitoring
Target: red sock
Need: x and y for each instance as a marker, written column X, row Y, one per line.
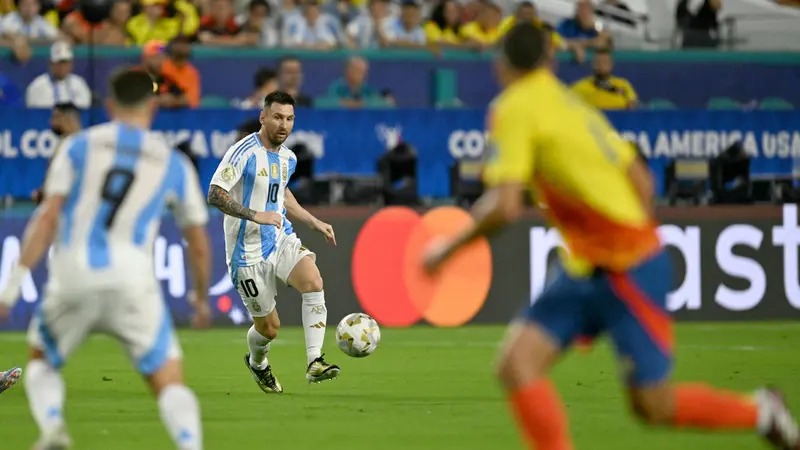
column 541, row 416
column 701, row 406
column 584, row 343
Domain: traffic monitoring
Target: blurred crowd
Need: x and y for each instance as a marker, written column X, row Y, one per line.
column 307, row 24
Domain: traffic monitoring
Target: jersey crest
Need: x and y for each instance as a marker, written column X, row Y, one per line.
column 228, row 173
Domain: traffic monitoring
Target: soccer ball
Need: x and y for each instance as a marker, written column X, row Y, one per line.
column 358, row 335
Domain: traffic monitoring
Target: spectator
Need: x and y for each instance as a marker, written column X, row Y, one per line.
column 177, row 67
column 110, row 32
column 352, row 90
column 288, row 8
column 342, row 10
column 185, row 12
column 265, row 82
column 219, row 27
column 312, row 30
column 483, row 32
column 699, row 22
column 406, row 31
column 28, row 23
column 65, row 119
column 617, row 11
column 170, row 93
column 526, row 12
column 444, row 28
column 10, row 93
column 369, row 30
column 290, row 79
column 258, row 21
column 583, row 30
column 59, row 85
column 152, row 24
column 603, row 90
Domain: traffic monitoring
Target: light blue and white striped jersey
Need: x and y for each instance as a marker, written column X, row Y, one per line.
column 256, row 178
column 117, row 180
column 37, row 29
column 397, row 32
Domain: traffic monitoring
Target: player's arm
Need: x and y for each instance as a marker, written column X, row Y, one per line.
column 297, row 213
column 642, row 180
column 41, row 229
column 228, row 174
column 191, row 214
column 507, row 175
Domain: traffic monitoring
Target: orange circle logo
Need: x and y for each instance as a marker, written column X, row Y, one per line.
column 387, row 272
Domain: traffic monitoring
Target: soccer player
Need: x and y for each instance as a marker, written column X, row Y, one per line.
column 615, row 276
column 9, row 378
column 104, row 196
column 250, row 187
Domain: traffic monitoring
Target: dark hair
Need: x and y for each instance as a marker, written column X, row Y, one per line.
column 131, row 87
column 67, row 108
column 437, row 17
column 262, row 76
column 523, row 46
column 279, row 97
column 256, row 3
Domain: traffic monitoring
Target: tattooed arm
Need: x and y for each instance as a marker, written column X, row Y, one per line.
column 222, row 200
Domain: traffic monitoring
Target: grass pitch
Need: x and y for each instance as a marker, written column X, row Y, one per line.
column 424, row 388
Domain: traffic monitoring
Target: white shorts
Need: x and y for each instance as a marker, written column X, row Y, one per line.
column 139, row 319
column 258, row 285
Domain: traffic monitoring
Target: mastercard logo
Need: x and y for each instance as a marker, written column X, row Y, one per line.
column 388, row 278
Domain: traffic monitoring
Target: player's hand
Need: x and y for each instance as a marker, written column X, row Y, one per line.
column 268, row 218
column 202, row 313
column 436, row 255
column 326, row 230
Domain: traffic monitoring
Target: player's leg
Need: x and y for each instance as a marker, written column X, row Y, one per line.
column 298, row 268
column 9, row 378
column 531, row 348
column 257, row 287
column 141, row 322
column 641, row 329
column 59, row 326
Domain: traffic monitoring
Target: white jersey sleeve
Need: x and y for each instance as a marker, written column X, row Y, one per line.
column 188, row 204
column 61, row 173
column 230, row 169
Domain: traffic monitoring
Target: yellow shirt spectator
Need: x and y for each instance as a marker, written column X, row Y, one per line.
column 474, row 31
column 510, row 21
column 191, row 18
column 437, row 35
column 151, row 25
column 612, row 93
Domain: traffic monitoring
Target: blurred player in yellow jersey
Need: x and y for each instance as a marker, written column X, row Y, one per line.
column 616, row 275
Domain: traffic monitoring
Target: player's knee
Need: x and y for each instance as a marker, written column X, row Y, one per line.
column 310, row 284
column 268, row 327
column 514, row 371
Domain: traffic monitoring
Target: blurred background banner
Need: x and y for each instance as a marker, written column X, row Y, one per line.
column 348, row 142
column 732, row 263
column 688, row 78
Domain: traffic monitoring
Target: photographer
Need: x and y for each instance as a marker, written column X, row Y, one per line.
column 603, row 90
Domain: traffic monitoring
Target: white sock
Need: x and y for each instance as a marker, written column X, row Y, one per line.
column 45, row 389
column 315, row 317
column 180, row 413
column 259, row 346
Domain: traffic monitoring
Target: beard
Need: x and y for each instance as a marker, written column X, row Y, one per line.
column 57, row 131
column 276, row 139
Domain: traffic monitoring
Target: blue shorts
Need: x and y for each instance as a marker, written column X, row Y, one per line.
column 630, row 306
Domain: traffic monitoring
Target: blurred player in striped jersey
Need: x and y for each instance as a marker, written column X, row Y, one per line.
column 104, row 196
column 616, row 275
column 251, row 187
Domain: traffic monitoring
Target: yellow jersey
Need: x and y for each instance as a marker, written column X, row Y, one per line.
column 509, row 22
column 434, row 34
column 620, row 96
column 543, row 136
column 473, row 30
column 142, row 31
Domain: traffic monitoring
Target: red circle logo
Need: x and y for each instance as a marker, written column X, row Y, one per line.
column 387, row 273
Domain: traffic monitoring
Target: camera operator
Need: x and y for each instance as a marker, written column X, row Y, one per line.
column 602, row 89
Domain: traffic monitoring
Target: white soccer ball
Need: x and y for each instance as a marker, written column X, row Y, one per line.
column 358, row 335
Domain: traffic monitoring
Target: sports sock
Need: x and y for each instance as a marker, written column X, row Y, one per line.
column 259, row 346
column 701, row 406
column 541, row 416
column 45, row 389
column 315, row 317
column 180, row 413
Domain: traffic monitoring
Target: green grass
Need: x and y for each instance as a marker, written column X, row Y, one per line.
column 424, row 388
